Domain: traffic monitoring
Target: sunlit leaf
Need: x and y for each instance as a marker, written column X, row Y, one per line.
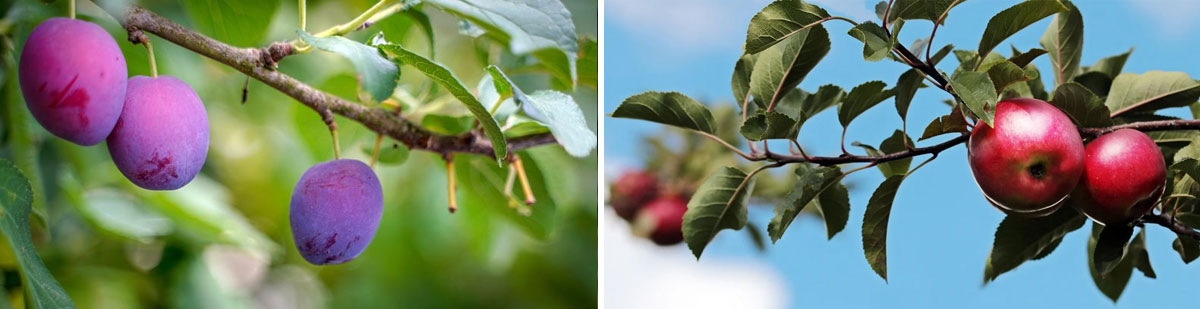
column 719, row 203
column 1013, row 19
column 669, row 108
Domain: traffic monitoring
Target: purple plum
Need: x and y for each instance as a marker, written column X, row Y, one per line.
column 335, row 211
column 161, row 140
column 73, row 77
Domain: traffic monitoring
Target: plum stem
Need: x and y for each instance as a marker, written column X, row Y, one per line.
column 516, row 162
column 71, row 8
column 376, row 12
column 450, row 181
column 375, row 153
column 303, row 15
column 508, row 184
column 149, row 56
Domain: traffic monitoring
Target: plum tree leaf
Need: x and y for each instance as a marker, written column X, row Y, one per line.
column 1064, row 42
column 779, row 21
column 860, row 99
column 525, row 26
column 1113, row 283
column 1153, row 90
column 669, row 108
column 589, row 63
column 238, row 23
column 1021, row 239
column 719, row 203
column 444, row 77
column 876, row 42
column 1013, row 19
column 770, row 125
column 977, row 92
column 810, row 182
column 875, row 224
column 16, row 200
column 780, row 68
column 557, row 110
column 376, row 74
column 1085, row 108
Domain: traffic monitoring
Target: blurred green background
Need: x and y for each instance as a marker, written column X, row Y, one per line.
column 223, row 241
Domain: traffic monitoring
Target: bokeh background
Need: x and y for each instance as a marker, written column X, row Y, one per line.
column 223, row 241
column 941, row 228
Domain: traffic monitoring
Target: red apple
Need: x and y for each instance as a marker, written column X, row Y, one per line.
column 632, row 190
column 1029, row 162
column 1123, row 177
column 662, row 220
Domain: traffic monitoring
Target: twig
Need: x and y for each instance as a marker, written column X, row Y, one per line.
column 1145, row 126
column 260, row 62
column 1170, row 223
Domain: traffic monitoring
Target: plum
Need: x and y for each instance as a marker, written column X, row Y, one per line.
column 335, row 211
column 73, row 77
column 161, row 139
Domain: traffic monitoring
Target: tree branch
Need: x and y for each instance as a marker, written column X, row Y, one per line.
column 1162, row 125
column 259, row 63
column 1171, row 224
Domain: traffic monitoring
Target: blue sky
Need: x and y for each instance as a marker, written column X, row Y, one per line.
column 941, row 228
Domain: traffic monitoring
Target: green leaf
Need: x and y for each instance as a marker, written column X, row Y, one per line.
column 810, row 182
column 1111, row 65
column 756, row 237
column 719, row 203
column 1064, row 41
column 16, row 200
column 1112, row 284
column 779, row 21
column 906, row 88
column 929, row 10
column 977, row 92
column 376, row 74
column 589, row 63
column 1036, row 88
column 1013, row 19
column 447, row 124
column 951, row 123
column 451, row 83
column 557, row 110
column 771, row 125
column 892, row 144
column 391, row 153
column 941, row 53
column 741, row 78
column 1110, row 248
column 1005, row 74
column 779, row 69
column 1084, row 107
column 860, row 99
column 1096, row 82
column 802, row 106
column 1021, row 239
column 669, row 108
column 834, row 205
column 876, row 42
column 122, row 215
column 875, row 223
column 1138, row 248
column 525, row 26
column 1025, row 58
column 1188, row 248
column 238, row 23
column 1154, row 90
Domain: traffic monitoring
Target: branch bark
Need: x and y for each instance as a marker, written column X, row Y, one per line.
column 1170, row 223
column 259, row 63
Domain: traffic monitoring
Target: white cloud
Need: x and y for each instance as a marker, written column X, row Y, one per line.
column 639, row 274
column 1173, row 17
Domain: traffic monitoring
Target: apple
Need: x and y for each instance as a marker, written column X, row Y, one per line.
column 632, row 190
column 662, row 220
column 1124, row 175
column 1029, row 161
